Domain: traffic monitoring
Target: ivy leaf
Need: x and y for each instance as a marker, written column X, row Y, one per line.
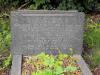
column 59, row 70
column 70, row 69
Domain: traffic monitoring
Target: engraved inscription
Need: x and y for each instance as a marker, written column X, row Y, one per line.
column 34, row 33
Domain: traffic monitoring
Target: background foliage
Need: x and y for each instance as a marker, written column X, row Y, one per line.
column 92, row 41
column 81, row 5
column 4, row 33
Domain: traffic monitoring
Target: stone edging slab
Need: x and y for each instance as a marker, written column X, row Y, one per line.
column 84, row 67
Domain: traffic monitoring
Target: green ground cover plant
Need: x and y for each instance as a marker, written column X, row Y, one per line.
column 45, row 64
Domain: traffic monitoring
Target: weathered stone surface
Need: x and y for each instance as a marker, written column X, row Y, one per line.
column 16, row 65
column 36, row 31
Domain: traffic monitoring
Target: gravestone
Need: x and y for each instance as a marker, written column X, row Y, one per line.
column 39, row 30
column 35, row 32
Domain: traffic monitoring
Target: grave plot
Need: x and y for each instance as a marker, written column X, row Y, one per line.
column 51, row 34
column 44, row 64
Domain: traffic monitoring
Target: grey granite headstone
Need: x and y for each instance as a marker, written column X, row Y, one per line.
column 39, row 30
column 35, row 31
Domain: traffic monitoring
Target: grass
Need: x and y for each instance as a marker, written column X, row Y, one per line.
column 92, row 39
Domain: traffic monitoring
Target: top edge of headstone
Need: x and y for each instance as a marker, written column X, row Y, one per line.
column 47, row 12
column 44, row 11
